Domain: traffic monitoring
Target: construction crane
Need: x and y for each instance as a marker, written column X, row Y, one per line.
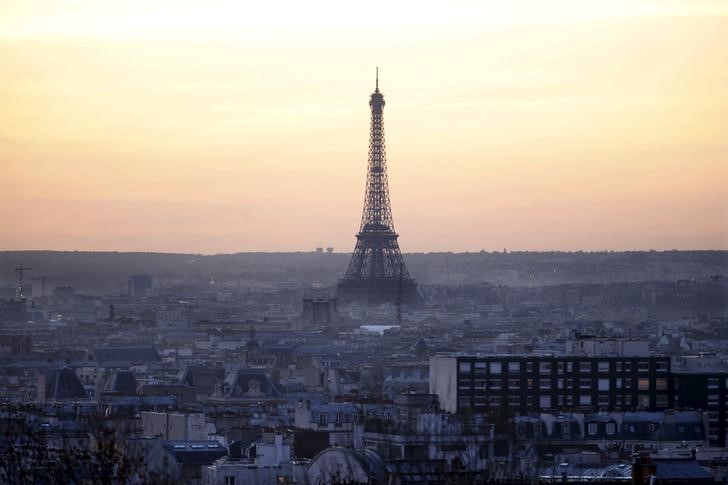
column 42, row 280
column 20, row 270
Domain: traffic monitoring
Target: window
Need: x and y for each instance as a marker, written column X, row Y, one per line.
column 569, row 400
column 592, row 429
column 339, row 418
column 628, row 367
column 569, row 367
column 618, row 400
column 480, row 367
column 565, row 429
column 495, row 384
column 514, row 383
column 585, row 383
column 628, row 383
column 529, row 367
column 529, row 401
column 560, row 368
column 514, row 400
column 713, row 400
column 603, row 366
column 661, row 366
column 323, row 419
column 529, row 383
column 544, row 368
column 229, row 480
column 618, row 383
column 661, row 383
column 569, row 383
column 643, row 400
column 544, row 384
column 480, row 383
column 652, row 427
column 627, row 399
column 481, row 401
column 514, row 367
column 464, row 367
column 603, row 400
column 585, row 367
column 544, row 401
column 585, row 400
column 712, row 383
column 643, row 367
column 495, row 367
column 559, row 383
column 559, row 401
column 603, row 384
column 619, row 366
column 661, row 401
column 495, row 401
column 610, row 428
column 643, row 384
column 464, row 384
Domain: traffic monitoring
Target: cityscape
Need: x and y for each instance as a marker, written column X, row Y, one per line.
column 534, row 359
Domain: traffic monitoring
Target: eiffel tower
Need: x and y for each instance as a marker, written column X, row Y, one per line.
column 376, row 272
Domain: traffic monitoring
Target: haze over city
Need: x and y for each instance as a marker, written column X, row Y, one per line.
column 341, row 243
column 226, row 127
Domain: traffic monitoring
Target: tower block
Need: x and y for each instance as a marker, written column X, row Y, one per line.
column 376, row 272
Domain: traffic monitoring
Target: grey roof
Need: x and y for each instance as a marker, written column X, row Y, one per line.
column 195, row 452
column 121, row 382
column 126, row 354
column 613, row 471
column 681, row 470
column 346, row 462
column 63, row 384
column 202, row 378
column 141, row 401
column 249, row 384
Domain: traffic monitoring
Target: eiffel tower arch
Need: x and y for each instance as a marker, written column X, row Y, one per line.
column 377, row 272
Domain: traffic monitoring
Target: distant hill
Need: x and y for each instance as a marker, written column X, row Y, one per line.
column 101, row 272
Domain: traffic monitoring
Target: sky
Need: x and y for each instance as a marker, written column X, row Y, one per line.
column 227, row 126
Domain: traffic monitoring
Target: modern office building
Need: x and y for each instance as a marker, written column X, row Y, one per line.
column 529, row 384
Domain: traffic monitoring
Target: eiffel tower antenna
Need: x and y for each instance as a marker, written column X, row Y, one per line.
column 376, row 271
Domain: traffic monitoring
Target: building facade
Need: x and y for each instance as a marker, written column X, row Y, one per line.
column 521, row 384
column 538, row 384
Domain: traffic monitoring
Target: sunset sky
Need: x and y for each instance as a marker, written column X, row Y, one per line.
column 226, row 126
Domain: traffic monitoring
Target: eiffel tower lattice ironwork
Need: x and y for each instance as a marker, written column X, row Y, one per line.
column 376, row 272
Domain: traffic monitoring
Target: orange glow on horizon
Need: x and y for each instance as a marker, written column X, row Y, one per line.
column 215, row 127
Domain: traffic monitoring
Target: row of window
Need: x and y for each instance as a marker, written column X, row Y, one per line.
column 546, row 401
column 603, row 384
column 714, row 382
column 610, row 428
column 545, row 368
column 591, row 428
column 340, row 418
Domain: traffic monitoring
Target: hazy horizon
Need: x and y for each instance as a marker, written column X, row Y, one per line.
column 347, row 252
column 180, row 128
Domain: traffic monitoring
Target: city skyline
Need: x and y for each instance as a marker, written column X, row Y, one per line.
column 187, row 129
